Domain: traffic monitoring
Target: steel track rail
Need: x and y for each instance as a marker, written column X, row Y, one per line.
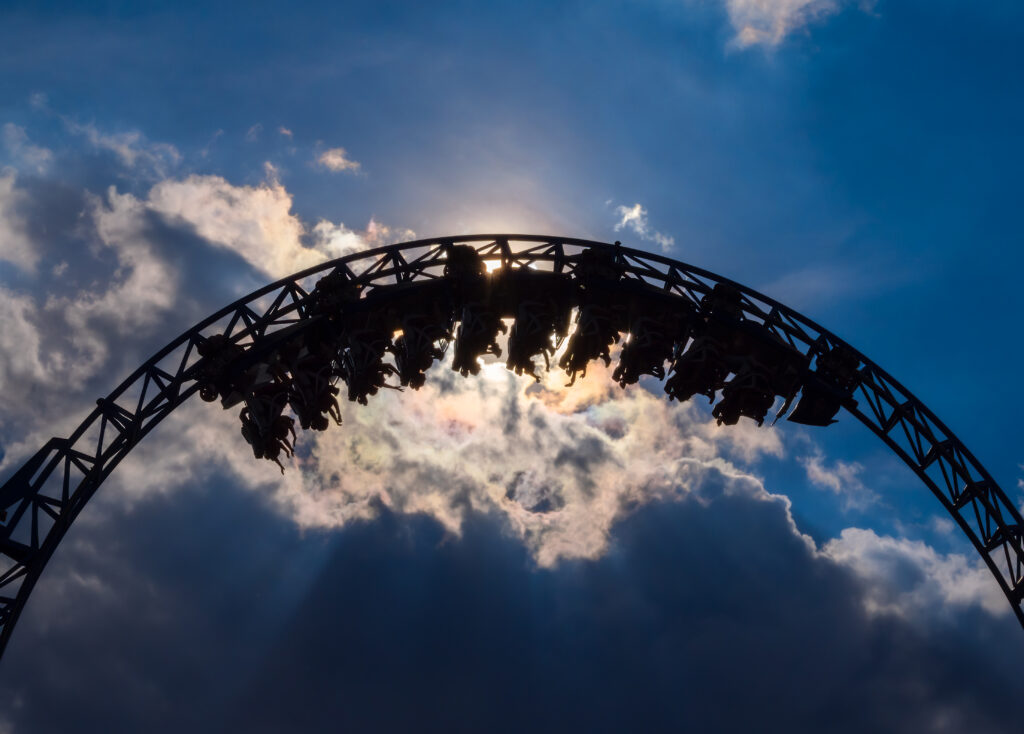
column 40, row 500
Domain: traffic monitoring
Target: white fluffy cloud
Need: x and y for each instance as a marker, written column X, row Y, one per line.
column 144, row 285
column 257, row 223
column 15, row 245
column 337, row 240
column 66, row 337
column 336, row 159
column 254, row 221
column 561, row 465
column 141, row 290
column 28, row 156
column 767, row 22
column 634, row 218
column 842, row 478
column 52, row 344
column 69, row 336
column 20, row 359
column 910, row 578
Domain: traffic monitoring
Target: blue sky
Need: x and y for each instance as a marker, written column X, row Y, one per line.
column 857, row 161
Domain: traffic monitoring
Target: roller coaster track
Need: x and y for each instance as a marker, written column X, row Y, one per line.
column 41, row 499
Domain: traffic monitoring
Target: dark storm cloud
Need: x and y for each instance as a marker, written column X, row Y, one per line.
column 218, row 617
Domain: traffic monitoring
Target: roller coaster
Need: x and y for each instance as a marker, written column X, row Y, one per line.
column 380, row 319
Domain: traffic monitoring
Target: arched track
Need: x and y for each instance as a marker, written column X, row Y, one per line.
column 41, row 499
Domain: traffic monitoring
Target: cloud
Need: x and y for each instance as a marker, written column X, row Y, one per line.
column 560, row 469
column 378, row 234
column 20, row 359
column 942, row 525
column 253, row 133
column 29, row 157
column 768, row 22
column 130, row 147
column 257, row 223
column 284, row 131
column 65, row 337
column 127, row 271
column 695, row 601
column 254, row 221
column 336, row 159
column 631, row 537
column 141, row 290
column 842, row 479
column 144, row 285
column 16, row 246
column 635, row 218
column 571, row 463
column 909, row 578
column 337, row 240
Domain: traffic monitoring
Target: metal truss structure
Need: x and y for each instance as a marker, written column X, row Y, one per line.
column 705, row 327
